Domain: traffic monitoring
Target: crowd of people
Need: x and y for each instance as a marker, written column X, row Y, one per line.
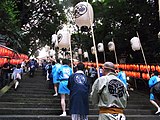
column 109, row 90
column 10, row 72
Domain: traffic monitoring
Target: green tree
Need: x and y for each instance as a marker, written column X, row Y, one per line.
column 120, row 20
column 43, row 19
column 10, row 31
column 28, row 25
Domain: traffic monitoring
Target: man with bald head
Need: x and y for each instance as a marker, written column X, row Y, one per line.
column 110, row 94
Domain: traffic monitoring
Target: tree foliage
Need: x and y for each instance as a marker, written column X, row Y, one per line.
column 44, row 18
column 120, row 20
column 30, row 23
column 10, row 32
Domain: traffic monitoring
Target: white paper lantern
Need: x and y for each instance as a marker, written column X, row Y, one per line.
column 83, row 13
column 111, row 46
column 63, row 38
column 47, row 48
column 135, row 43
column 93, row 50
column 159, row 35
column 80, row 51
column 85, row 54
column 60, row 55
column 52, row 52
column 100, row 47
column 54, row 38
column 76, row 54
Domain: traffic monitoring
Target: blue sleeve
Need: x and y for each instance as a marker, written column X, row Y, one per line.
column 71, row 71
column 59, row 72
column 119, row 74
column 53, row 69
column 152, row 81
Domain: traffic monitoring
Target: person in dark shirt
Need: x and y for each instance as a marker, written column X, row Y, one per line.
column 100, row 71
column 5, row 72
column 79, row 92
column 32, row 65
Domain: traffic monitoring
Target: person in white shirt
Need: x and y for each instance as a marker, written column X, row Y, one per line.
column 17, row 75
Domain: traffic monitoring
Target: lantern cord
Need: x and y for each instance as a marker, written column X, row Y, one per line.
column 115, row 53
column 93, row 38
column 143, row 53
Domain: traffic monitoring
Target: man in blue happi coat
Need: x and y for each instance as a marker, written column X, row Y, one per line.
column 154, row 82
column 63, row 74
column 55, row 76
column 79, row 92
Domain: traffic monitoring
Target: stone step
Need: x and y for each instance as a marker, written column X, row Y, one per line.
column 34, row 105
column 20, row 89
column 57, row 105
column 57, row 111
column 34, row 101
column 19, row 95
column 27, row 100
column 52, row 100
column 57, row 117
column 48, row 94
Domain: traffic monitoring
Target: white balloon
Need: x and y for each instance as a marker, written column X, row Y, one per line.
column 85, row 54
column 63, row 38
column 54, row 38
column 47, row 48
column 135, row 43
column 60, row 55
column 111, row 46
column 159, row 35
column 52, row 52
column 80, row 51
column 93, row 50
column 83, row 13
column 100, row 47
column 76, row 54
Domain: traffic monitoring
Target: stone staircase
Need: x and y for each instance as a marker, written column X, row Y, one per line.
column 33, row 100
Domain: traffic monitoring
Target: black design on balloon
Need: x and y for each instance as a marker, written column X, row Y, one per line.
column 79, row 10
column 59, row 37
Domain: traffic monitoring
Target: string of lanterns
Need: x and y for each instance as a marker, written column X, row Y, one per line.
column 132, row 70
column 15, row 58
column 6, row 52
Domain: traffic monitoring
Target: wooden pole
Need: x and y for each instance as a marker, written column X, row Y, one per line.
column 104, row 52
column 70, row 47
column 142, row 52
column 94, row 44
column 115, row 54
